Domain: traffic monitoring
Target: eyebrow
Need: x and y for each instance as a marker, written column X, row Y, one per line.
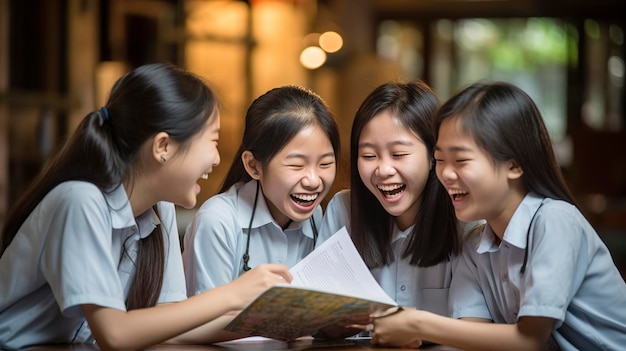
column 455, row 148
column 292, row 156
column 393, row 143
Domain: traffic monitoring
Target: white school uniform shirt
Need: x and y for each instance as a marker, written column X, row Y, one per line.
column 420, row 287
column 77, row 247
column 215, row 240
column 570, row 277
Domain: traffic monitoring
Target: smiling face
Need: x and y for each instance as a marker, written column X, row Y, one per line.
column 393, row 164
column 299, row 176
column 186, row 167
column 479, row 188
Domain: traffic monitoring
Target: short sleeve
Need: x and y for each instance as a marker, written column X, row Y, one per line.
column 556, row 264
column 211, row 246
column 76, row 258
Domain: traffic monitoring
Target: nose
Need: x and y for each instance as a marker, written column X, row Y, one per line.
column 217, row 159
column 311, row 179
column 385, row 169
column 445, row 172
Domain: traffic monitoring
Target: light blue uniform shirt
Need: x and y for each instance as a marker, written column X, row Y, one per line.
column 420, row 287
column 570, row 276
column 215, row 240
column 77, row 247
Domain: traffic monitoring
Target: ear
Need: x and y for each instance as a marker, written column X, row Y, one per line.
column 161, row 147
column 515, row 170
column 251, row 164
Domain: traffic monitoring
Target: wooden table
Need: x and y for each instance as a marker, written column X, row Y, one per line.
column 255, row 344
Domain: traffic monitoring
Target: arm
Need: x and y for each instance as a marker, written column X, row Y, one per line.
column 530, row 333
column 119, row 330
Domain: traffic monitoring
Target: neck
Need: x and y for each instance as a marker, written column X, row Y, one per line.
column 136, row 193
column 501, row 220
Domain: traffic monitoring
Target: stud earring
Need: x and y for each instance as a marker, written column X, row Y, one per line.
column 255, row 174
column 163, row 159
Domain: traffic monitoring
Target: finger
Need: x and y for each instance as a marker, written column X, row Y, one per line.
column 280, row 270
column 364, row 327
column 413, row 344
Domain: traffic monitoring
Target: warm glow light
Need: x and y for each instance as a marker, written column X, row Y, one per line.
column 331, row 41
column 312, row 57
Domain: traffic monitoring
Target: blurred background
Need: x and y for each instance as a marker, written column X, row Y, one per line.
column 59, row 58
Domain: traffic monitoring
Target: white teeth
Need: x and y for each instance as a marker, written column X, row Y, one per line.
column 304, row 197
column 389, row 187
column 456, row 192
column 205, row 176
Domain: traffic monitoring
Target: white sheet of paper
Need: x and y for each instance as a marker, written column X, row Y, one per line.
column 336, row 266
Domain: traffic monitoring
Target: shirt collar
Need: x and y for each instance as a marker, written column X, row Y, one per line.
column 122, row 213
column 262, row 215
column 397, row 234
column 517, row 229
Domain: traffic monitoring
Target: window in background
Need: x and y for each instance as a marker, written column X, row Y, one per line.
column 604, row 94
column 532, row 53
column 402, row 43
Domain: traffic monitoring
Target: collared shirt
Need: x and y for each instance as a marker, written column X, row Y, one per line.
column 570, row 277
column 77, row 247
column 215, row 240
column 421, row 287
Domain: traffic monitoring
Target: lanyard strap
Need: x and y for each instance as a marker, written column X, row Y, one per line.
column 527, row 249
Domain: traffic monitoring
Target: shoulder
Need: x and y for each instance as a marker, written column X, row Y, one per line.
column 218, row 216
column 341, row 199
column 74, row 196
column 230, row 200
column 560, row 214
column 76, row 189
column 560, row 221
column 219, row 205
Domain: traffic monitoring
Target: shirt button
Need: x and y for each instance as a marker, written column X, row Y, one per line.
column 402, row 287
column 505, row 277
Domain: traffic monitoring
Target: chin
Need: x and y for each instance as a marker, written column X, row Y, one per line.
column 188, row 204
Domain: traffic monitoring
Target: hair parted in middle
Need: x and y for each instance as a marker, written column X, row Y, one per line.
column 273, row 120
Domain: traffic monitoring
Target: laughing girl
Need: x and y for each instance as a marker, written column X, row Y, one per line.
column 268, row 208
column 396, row 211
column 539, row 271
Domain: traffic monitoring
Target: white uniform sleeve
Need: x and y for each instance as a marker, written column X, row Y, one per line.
column 556, row 264
column 76, row 258
column 210, row 247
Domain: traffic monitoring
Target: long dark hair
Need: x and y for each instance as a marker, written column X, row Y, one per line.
column 272, row 120
column 104, row 150
column 504, row 121
column 435, row 237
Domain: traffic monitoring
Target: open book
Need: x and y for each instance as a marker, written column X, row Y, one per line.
column 329, row 285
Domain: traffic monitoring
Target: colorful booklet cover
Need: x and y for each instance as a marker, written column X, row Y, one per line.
column 331, row 284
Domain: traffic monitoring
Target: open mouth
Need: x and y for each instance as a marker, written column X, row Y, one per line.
column 457, row 195
column 391, row 191
column 304, row 199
